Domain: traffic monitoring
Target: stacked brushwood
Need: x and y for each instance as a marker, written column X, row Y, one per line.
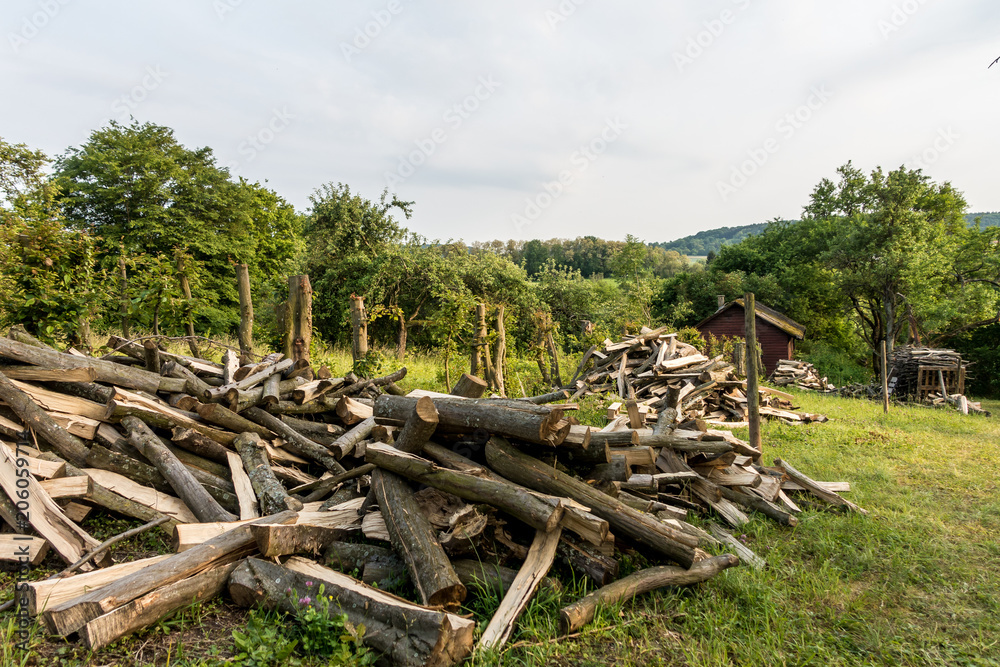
column 801, row 374
column 658, row 371
column 273, row 481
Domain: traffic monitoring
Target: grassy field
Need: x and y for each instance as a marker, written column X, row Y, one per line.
column 913, row 583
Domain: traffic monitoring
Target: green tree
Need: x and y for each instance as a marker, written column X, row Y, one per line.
column 139, row 192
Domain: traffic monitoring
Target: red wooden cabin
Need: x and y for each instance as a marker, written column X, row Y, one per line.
column 776, row 333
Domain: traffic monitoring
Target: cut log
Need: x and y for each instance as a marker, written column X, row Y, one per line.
column 204, row 506
column 107, row 371
column 295, row 442
column 601, row 569
column 38, row 374
column 418, row 428
column 540, row 557
column 507, row 497
column 69, row 446
column 470, row 415
column 469, row 386
column 160, row 415
column 158, row 502
column 407, row 634
column 416, row 540
column 221, row 416
column 245, row 331
column 226, row 548
column 20, row 549
column 50, row 593
column 155, row 606
column 199, row 444
column 269, row 491
column 817, row 489
column 573, row 617
column 346, row 443
column 534, row 474
column 66, row 487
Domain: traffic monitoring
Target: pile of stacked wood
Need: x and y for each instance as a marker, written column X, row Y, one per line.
column 801, row 374
column 907, row 361
column 272, row 486
column 658, row 371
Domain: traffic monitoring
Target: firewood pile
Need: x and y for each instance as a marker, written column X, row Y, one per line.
column 657, row 371
column 273, row 485
column 801, row 374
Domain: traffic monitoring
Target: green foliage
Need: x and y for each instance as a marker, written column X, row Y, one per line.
column 839, row 366
column 264, row 642
column 143, row 196
column 47, row 277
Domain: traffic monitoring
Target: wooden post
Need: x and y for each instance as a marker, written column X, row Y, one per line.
column 501, row 354
column 753, row 397
column 246, row 309
column 885, row 380
column 298, row 319
column 359, row 325
column 123, row 293
column 479, row 342
column 188, row 307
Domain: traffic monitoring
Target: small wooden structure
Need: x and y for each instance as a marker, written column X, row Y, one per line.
column 776, row 333
column 917, row 372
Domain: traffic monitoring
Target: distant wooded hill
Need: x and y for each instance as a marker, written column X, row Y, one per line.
column 711, row 240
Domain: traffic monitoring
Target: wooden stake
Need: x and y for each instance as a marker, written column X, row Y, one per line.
column 359, row 326
column 246, row 310
column 753, row 397
column 885, row 381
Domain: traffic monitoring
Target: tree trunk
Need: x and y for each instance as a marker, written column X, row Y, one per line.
column 407, row 634
column 182, row 278
column 415, row 539
column 298, row 319
column 480, row 340
column 245, row 332
column 534, row 474
column 401, row 344
column 180, row 478
column 359, row 328
column 269, row 491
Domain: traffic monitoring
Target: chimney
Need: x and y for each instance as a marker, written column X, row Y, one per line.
column 722, row 300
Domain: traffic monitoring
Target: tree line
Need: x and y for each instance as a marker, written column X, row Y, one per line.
column 133, row 229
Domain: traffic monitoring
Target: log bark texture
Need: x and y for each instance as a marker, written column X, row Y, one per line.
column 269, row 491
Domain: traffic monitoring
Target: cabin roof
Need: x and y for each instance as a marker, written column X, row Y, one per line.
column 786, row 324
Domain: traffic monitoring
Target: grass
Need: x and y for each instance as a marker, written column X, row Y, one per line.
column 913, row 583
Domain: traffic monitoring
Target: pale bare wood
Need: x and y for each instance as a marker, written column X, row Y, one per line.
column 351, row 411
column 37, row 374
column 53, row 401
column 69, row 540
column 42, row 469
column 81, row 427
column 66, row 487
column 244, row 489
column 23, row 549
column 228, row 547
column 155, row 605
column 76, row 512
column 373, row 527
column 744, row 552
column 143, row 495
column 816, row 489
column 343, row 516
column 540, row 557
column 157, row 413
column 835, row 487
column 50, row 593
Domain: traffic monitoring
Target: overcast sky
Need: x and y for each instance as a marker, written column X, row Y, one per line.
column 528, row 119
